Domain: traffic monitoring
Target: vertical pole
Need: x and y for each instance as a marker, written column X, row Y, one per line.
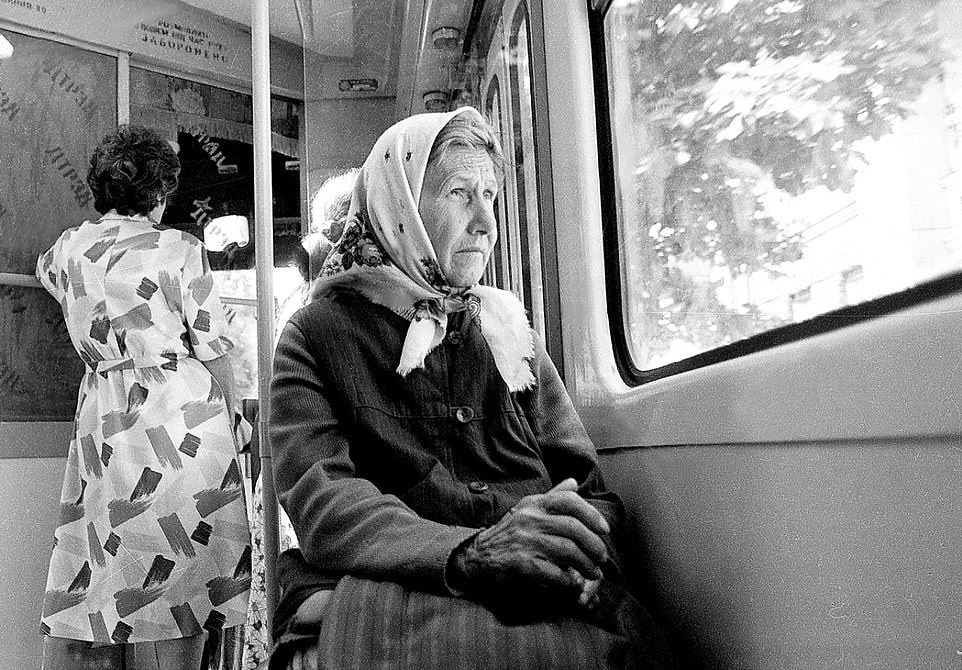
column 264, row 248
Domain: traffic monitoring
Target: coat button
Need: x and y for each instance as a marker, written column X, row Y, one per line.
column 455, row 337
column 464, row 414
column 477, row 487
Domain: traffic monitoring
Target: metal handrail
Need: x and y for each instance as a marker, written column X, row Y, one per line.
column 30, row 281
column 16, row 279
column 264, row 258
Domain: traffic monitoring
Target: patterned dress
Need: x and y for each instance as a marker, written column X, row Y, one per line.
column 153, row 541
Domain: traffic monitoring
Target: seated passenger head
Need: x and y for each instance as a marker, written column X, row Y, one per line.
column 132, row 170
column 424, row 202
column 329, row 209
column 331, row 204
column 457, row 197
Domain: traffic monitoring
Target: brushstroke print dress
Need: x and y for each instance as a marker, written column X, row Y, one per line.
column 153, row 541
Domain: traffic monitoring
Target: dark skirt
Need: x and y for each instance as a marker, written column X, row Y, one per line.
column 370, row 625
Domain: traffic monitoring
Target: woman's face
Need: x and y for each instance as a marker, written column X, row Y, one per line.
column 457, row 208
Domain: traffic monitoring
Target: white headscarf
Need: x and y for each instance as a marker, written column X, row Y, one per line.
column 386, row 255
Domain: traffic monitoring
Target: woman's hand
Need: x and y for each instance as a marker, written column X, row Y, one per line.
column 547, row 547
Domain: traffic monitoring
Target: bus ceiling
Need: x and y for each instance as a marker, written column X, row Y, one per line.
column 354, row 49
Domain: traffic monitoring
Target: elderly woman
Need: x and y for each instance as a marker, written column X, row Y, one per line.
column 445, row 494
column 330, row 207
column 151, row 552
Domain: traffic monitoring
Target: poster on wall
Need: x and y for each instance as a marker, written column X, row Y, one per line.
column 166, row 32
column 56, row 104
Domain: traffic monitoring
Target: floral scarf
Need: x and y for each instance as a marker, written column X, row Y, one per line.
column 385, row 254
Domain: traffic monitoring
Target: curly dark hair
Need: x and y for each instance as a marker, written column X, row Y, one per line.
column 132, row 170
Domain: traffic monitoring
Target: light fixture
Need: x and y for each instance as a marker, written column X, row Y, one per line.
column 446, row 38
column 226, row 230
column 435, row 101
column 6, row 49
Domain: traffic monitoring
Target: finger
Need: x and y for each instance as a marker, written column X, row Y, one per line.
column 589, row 592
column 577, row 578
column 566, row 554
column 571, row 504
column 537, row 518
column 569, row 484
column 572, row 529
column 549, row 576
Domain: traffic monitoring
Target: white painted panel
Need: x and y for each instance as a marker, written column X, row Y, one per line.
column 29, row 498
column 893, row 376
column 828, row 555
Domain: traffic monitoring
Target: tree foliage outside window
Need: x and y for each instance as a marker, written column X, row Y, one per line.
column 735, row 107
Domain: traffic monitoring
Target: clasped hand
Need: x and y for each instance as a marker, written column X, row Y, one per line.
column 548, row 547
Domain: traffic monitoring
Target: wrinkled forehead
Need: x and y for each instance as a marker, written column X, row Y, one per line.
column 405, row 147
column 462, row 164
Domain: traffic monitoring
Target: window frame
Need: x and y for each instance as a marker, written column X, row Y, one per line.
column 526, row 181
column 544, row 171
column 520, row 238
column 630, row 373
column 499, row 268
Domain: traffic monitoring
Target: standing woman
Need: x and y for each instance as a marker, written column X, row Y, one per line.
column 152, row 547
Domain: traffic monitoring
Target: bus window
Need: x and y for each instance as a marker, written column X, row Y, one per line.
column 776, row 160
column 508, row 103
column 57, row 101
column 522, row 136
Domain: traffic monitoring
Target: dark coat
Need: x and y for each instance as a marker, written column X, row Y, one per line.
column 384, row 476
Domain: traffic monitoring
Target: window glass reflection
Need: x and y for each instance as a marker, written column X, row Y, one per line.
column 56, row 102
column 779, row 159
